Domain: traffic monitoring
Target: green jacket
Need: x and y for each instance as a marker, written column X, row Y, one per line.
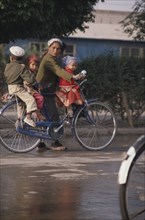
column 15, row 74
column 50, row 71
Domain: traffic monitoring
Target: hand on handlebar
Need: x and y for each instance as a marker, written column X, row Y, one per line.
column 77, row 77
column 81, row 75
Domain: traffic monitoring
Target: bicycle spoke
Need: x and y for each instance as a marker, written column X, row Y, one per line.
column 138, row 213
column 10, row 138
column 95, row 126
column 8, row 119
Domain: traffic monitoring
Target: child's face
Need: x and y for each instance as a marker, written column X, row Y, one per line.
column 33, row 66
column 72, row 66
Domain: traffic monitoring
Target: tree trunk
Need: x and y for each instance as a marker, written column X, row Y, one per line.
column 125, row 103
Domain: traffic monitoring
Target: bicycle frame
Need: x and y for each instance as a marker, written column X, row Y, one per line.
column 56, row 126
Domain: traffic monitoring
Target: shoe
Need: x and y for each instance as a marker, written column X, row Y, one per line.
column 40, row 117
column 57, row 146
column 61, row 148
column 42, row 147
column 30, row 122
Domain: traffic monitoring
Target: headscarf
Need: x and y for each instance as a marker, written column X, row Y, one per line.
column 51, row 41
column 68, row 59
column 32, row 58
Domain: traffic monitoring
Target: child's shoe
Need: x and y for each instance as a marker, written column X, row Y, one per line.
column 29, row 121
column 40, row 117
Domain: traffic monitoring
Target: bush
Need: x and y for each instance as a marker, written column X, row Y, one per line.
column 120, row 82
column 3, row 85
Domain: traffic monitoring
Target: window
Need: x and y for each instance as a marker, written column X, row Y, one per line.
column 70, row 50
column 37, row 47
column 132, row 51
column 124, row 51
column 135, row 52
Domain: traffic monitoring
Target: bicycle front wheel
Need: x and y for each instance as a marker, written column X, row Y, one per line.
column 132, row 192
column 94, row 125
column 9, row 137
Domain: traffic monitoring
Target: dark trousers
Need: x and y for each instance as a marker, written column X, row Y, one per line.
column 50, row 103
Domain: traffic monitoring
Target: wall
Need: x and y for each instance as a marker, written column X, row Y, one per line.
column 94, row 47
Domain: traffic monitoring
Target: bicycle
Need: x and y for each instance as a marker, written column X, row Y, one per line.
column 131, row 180
column 93, row 126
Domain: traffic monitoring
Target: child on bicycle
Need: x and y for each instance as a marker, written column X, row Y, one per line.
column 68, row 92
column 15, row 74
column 33, row 64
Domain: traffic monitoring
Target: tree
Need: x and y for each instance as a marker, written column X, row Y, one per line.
column 134, row 24
column 2, row 65
column 26, row 19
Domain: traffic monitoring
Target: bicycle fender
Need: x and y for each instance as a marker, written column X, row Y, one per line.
column 125, row 165
column 131, row 153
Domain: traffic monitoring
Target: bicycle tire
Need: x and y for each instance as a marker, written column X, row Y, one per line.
column 132, row 184
column 9, row 137
column 94, row 125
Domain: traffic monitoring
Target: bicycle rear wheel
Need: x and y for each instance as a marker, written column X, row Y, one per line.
column 9, row 137
column 132, row 192
column 94, row 125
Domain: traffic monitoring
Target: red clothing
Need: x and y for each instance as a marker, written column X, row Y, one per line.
column 63, row 82
column 39, row 99
column 69, row 91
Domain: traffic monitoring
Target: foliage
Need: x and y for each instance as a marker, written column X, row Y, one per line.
column 134, row 24
column 26, row 19
column 2, row 65
column 110, row 76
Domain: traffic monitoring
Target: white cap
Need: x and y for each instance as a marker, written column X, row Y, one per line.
column 51, row 41
column 17, row 51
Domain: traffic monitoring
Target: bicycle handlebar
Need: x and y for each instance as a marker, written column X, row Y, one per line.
column 83, row 81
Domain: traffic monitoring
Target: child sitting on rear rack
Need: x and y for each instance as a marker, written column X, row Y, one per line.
column 32, row 64
column 15, row 74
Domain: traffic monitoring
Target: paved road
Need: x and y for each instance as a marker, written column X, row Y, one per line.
column 72, row 185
